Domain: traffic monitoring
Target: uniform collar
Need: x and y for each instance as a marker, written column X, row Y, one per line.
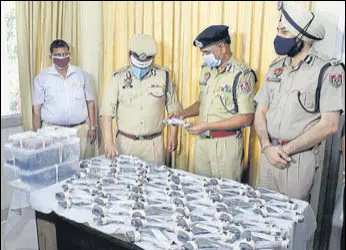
column 229, row 64
column 308, row 59
column 71, row 69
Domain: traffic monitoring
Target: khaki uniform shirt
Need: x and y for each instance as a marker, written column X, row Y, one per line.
column 216, row 97
column 286, row 119
column 139, row 104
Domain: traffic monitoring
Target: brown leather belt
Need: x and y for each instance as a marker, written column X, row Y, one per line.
column 139, row 137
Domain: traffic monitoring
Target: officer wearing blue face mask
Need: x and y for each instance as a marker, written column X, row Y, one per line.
column 225, row 106
column 299, row 104
column 137, row 96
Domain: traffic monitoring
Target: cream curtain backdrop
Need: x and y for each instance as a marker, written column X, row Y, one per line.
column 38, row 24
column 174, row 25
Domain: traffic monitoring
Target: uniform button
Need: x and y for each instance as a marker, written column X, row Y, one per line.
column 141, row 123
column 141, row 108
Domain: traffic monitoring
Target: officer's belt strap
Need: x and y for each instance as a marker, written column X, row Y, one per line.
column 221, row 133
column 139, row 137
column 278, row 142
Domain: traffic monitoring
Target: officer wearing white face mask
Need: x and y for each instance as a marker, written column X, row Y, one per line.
column 62, row 96
column 137, row 96
column 225, row 106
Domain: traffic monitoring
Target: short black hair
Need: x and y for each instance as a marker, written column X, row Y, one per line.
column 58, row 43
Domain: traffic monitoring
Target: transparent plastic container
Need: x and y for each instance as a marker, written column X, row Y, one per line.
column 50, row 175
column 11, row 173
column 17, row 139
column 31, row 159
column 36, row 142
column 70, row 149
column 58, row 134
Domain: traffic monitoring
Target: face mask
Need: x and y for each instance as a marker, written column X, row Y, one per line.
column 140, row 72
column 288, row 46
column 211, row 61
column 61, row 62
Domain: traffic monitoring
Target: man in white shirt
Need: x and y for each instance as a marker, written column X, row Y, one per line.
column 63, row 97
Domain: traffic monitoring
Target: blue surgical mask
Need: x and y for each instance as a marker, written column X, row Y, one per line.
column 139, row 72
column 211, row 61
column 283, row 45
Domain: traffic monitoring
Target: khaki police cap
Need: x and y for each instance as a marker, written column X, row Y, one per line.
column 143, row 45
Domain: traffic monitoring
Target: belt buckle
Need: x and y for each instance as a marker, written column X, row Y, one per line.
column 140, row 138
column 206, row 134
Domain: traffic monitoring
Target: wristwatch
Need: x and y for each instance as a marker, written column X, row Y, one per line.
column 92, row 128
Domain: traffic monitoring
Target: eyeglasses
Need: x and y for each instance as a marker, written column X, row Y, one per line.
column 61, row 54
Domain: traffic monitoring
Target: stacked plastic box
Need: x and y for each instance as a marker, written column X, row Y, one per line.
column 42, row 158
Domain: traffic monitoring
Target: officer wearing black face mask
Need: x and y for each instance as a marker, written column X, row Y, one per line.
column 299, row 104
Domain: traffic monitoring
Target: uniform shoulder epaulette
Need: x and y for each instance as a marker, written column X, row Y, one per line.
column 203, row 65
column 160, row 67
column 328, row 59
column 246, row 71
column 277, row 61
column 120, row 70
column 335, row 61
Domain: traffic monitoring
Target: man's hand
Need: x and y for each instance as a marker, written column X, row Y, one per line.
column 172, row 143
column 175, row 115
column 276, row 156
column 110, row 150
column 91, row 136
column 197, row 128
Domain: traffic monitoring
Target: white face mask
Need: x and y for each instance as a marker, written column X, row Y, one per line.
column 140, row 64
column 211, row 61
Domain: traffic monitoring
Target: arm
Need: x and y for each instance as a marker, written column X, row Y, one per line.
column 92, row 120
column 91, row 112
column 236, row 122
column 261, row 125
column 327, row 126
column 106, row 127
column 38, row 100
column 191, row 111
column 107, row 112
column 36, row 110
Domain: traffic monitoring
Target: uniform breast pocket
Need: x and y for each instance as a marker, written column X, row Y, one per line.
column 305, row 98
column 225, row 101
column 78, row 93
column 157, row 92
column 274, row 91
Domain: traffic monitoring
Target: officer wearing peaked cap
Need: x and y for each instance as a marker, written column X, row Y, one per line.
column 225, row 106
column 137, row 96
column 299, row 104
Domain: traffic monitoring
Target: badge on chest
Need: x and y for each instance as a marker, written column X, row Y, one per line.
column 127, row 83
column 205, row 80
column 276, row 77
column 224, row 88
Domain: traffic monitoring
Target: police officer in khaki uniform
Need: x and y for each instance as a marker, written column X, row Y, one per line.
column 299, row 104
column 225, row 105
column 137, row 96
